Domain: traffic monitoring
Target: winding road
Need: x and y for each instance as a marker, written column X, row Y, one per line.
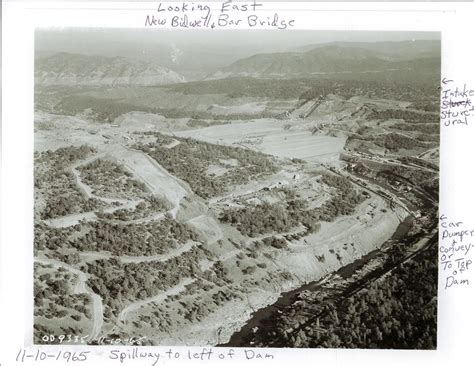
column 158, row 298
column 82, row 288
column 158, row 181
column 93, row 256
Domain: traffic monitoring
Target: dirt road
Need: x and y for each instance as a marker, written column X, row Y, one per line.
column 158, row 298
column 81, row 288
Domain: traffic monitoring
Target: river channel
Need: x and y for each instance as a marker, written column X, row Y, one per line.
column 239, row 339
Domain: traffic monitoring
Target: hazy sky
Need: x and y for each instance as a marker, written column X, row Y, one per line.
column 94, row 40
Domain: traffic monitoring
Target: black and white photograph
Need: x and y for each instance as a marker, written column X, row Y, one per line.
column 240, row 189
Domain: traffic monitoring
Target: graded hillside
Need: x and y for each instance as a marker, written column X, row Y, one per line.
column 74, row 69
column 204, row 229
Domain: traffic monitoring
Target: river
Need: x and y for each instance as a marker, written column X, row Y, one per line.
column 239, row 339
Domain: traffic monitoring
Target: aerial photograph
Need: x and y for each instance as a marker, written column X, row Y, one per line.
column 236, row 188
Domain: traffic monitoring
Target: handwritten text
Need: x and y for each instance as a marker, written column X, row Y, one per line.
column 222, row 15
column 455, row 252
column 456, row 103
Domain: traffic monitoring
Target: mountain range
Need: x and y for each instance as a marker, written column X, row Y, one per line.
column 86, row 70
column 399, row 50
column 403, row 61
column 333, row 59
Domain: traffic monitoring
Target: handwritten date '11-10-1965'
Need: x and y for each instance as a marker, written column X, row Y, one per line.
column 222, row 15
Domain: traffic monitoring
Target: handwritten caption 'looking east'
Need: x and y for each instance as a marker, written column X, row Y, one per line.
column 227, row 14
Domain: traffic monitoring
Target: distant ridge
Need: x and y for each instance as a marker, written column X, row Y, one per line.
column 397, row 50
column 340, row 58
column 85, row 70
